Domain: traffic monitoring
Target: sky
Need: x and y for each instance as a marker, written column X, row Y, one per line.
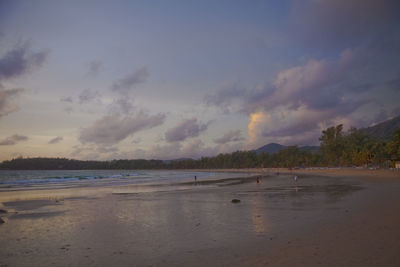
column 100, row 80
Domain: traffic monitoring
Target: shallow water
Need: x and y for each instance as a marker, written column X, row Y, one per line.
column 21, row 178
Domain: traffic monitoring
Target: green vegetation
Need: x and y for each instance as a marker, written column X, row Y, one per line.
column 71, row 164
column 332, row 144
column 354, row 148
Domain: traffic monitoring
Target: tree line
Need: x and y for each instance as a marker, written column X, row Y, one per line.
column 356, row 148
column 337, row 148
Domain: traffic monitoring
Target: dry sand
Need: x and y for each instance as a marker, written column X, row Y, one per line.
column 327, row 218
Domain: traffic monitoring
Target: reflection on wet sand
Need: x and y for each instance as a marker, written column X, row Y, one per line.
column 258, row 216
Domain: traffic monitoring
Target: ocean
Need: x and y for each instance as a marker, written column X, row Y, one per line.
column 32, row 178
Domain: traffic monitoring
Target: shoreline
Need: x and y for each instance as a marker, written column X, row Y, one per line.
column 317, row 170
column 329, row 217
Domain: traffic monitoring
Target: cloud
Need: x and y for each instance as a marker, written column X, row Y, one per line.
column 105, row 149
column 169, row 151
column 225, row 96
column 366, row 40
column 318, row 84
column 284, row 126
column 66, row 99
column 56, row 140
column 185, row 129
column 93, row 152
column 341, row 23
column 95, row 67
column 194, row 148
column 137, row 141
column 84, row 152
column 305, row 99
column 302, row 99
column 88, row 95
column 85, row 96
column 20, row 60
column 68, row 109
column 6, row 101
column 231, row 136
column 114, row 128
column 125, row 84
column 12, row 140
column 123, row 105
column 355, row 88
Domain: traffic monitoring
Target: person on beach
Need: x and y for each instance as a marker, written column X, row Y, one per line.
column 258, row 180
column 295, row 178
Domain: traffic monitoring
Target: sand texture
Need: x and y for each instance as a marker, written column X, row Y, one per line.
column 326, row 218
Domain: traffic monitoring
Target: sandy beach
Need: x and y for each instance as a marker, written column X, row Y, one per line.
column 328, row 217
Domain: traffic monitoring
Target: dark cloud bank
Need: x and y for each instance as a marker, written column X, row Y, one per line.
column 20, row 60
column 357, row 84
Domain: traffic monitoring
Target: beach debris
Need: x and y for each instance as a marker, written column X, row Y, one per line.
column 1, row 220
column 258, row 179
column 296, row 178
column 3, row 211
column 66, row 247
column 235, row 200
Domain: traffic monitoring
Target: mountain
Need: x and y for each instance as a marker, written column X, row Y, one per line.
column 383, row 130
column 273, row 148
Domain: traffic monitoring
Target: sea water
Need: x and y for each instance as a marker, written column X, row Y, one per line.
column 32, row 178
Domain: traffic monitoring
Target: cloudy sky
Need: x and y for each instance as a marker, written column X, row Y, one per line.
column 169, row 79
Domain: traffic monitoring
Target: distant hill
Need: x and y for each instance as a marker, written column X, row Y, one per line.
column 383, row 130
column 273, row 148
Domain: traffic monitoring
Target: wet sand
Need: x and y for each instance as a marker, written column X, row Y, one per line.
column 376, row 175
column 325, row 219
